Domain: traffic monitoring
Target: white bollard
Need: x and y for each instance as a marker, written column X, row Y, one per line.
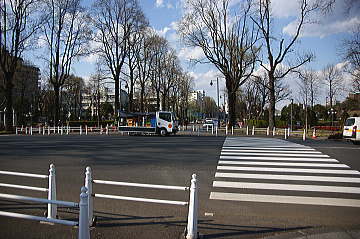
column 84, row 231
column 226, row 129
column 274, row 131
column 253, row 130
column 48, row 130
column 86, row 130
column 216, row 131
column 54, row 129
column 232, row 130
column 268, row 131
column 58, row 130
column 247, row 130
column 16, row 130
column 304, row 135
column 107, row 129
column 314, row 133
column 101, row 129
column 88, row 185
column 26, row 130
column 62, row 130
column 285, row 133
column 212, row 129
column 52, row 208
column 193, row 128
column 80, row 130
column 43, row 130
column 207, row 128
column 22, row 128
column 31, row 130
column 288, row 132
column 192, row 224
column 67, row 129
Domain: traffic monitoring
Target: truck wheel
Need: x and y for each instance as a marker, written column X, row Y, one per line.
column 163, row 132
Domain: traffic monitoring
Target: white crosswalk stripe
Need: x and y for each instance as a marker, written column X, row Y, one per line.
column 273, row 170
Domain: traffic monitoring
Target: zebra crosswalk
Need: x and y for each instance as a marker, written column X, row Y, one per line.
column 278, row 171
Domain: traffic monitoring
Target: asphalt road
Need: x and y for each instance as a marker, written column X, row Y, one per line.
column 155, row 160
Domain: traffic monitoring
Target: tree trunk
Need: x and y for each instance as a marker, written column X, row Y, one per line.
column 142, row 93
column 271, row 101
column 57, row 105
column 117, row 90
column 232, row 102
column 9, row 106
column 157, row 100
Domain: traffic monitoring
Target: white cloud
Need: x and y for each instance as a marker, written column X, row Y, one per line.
column 341, row 19
column 163, row 31
column 191, row 53
column 159, row 3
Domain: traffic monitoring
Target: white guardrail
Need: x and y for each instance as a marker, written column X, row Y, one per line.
column 52, row 203
column 51, row 189
column 48, row 130
column 191, row 229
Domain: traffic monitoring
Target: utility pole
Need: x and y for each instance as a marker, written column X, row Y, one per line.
column 291, row 115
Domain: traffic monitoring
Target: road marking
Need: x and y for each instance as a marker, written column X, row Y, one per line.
column 293, row 170
column 287, row 187
column 278, row 154
column 267, row 148
column 286, row 199
column 326, row 165
column 269, row 151
column 279, row 158
column 289, row 177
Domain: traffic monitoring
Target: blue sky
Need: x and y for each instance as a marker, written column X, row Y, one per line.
column 323, row 38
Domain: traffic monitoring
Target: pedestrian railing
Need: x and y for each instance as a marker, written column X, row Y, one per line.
column 48, row 130
column 191, row 229
column 51, row 189
column 82, row 223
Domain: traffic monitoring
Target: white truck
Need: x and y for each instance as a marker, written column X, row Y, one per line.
column 352, row 129
column 161, row 123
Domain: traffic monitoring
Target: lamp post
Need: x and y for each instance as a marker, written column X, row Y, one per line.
column 217, row 93
column 291, row 115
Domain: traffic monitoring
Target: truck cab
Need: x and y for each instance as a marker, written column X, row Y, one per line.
column 352, row 129
column 166, row 123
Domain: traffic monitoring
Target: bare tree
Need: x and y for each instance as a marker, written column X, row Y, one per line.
column 19, row 21
column 351, row 54
column 332, row 77
column 144, row 63
column 115, row 21
column 280, row 50
column 309, row 82
column 66, row 34
column 227, row 40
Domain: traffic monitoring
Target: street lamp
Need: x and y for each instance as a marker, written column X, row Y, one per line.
column 291, row 115
column 332, row 112
column 217, row 91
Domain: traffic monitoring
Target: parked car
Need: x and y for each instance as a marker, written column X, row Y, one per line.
column 352, row 129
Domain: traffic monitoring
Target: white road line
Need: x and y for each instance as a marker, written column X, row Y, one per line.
column 288, row 187
column 289, row 177
column 279, row 158
column 268, row 148
column 269, row 151
column 326, row 165
column 293, row 170
column 294, row 155
column 286, row 199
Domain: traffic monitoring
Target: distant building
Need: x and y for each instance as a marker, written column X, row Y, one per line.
column 196, row 96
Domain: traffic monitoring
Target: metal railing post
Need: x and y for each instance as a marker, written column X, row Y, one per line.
column 232, row 130
column 88, row 185
column 193, row 210
column 253, row 130
column 52, row 208
column 274, row 131
column 247, row 130
column 304, row 135
column 285, row 133
column 84, row 231
column 62, row 130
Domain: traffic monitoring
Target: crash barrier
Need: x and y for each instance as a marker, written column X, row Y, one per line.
column 48, row 130
column 82, row 223
column 51, row 190
column 191, row 229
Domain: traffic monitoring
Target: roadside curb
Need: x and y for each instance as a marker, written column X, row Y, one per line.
column 351, row 234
